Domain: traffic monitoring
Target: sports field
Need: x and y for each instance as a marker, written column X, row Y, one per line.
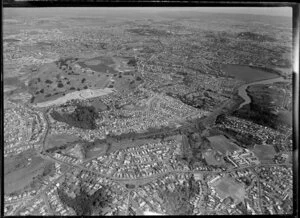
column 264, row 152
column 222, row 144
column 226, row 187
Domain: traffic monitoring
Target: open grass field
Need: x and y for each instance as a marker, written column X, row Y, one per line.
column 264, row 152
column 56, row 140
column 246, row 73
column 82, row 94
column 59, row 80
column 97, row 150
column 99, row 64
column 226, row 187
column 98, row 104
column 285, row 117
column 19, row 171
column 53, row 81
column 222, row 144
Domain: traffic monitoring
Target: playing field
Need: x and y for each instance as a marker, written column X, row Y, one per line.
column 226, row 187
column 264, row 152
column 222, row 144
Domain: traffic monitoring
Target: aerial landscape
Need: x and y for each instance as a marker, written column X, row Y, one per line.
column 147, row 111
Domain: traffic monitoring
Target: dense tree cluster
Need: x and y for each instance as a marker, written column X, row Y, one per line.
column 245, row 139
column 83, row 117
column 132, row 62
column 176, row 202
column 259, row 111
column 85, row 205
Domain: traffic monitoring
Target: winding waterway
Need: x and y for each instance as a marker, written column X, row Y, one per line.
column 242, row 91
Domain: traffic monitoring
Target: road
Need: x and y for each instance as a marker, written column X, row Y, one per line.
column 123, row 181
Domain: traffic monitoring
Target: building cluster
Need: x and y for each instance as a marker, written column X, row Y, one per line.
column 251, row 182
column 24, row 195
column 242, row 158
column 23, row 129
column 143, row 161
column 150, row 197
column 37, row 207
column 260, row 133
column 66, row 158
column 159, row 111
column 55, row 203
column 91, row 182
column 276, row 184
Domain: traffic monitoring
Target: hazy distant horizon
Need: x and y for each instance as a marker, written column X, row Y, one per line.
column 271, row 11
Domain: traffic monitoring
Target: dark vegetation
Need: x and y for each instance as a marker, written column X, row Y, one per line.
column 152, row 133
column 11, row 40
column 132, row 62
column 177, row 202
column 85, row 205
column 63, row 62
column 130, row 186
column 257, row 114
column 193, row 145
column 83, row 117
column 148, row 31
column 255, row 37
column 260, row 110
column 246, row 140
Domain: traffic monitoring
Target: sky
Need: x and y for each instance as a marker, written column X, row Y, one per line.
column 274, row 11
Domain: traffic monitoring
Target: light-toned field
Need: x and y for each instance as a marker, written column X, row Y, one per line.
column 20, row 174
column 52, row 82
column 226, row 187
column 264, row 152
column 82, row 94
column 57, row 140
column 222, row 144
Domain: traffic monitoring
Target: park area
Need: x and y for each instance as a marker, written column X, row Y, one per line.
column 21, row 170
column 222, row 144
